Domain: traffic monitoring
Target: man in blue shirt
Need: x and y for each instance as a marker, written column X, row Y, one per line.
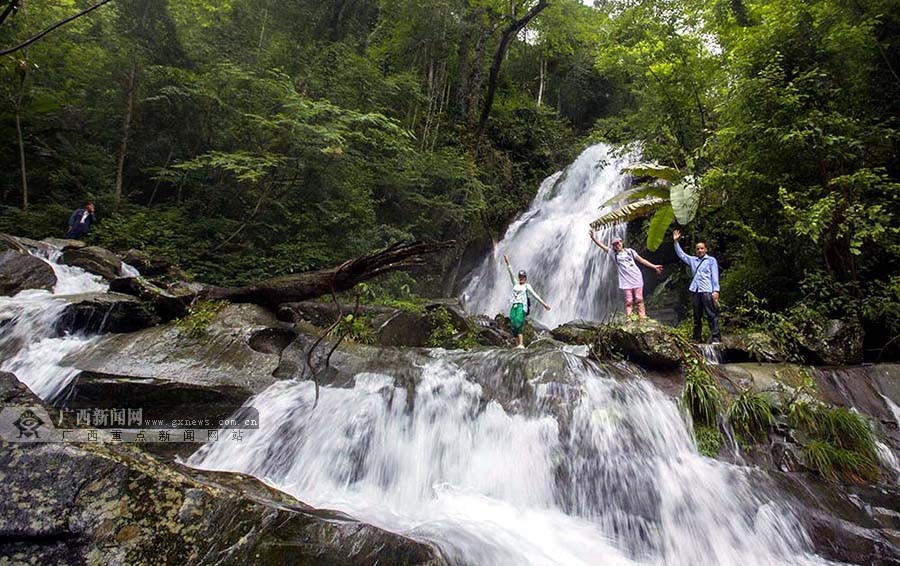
column 80, row 221
column 704, row 287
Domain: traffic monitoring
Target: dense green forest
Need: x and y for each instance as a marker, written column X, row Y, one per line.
column 245, row 139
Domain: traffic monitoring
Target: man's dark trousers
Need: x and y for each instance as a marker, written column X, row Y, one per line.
column 703, row 302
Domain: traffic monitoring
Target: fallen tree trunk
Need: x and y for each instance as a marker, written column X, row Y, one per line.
column 312, row 284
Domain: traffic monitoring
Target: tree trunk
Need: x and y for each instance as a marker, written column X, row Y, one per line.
column 20, row 97
column 541, row 84
column 509, row 33
column 126, row 129
column 22, row 159
column 312, row 284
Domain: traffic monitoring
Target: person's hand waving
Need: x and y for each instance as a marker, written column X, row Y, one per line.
column 676, row 235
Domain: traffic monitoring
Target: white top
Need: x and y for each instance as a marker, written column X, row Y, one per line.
column 630, row 276
column 521, row 291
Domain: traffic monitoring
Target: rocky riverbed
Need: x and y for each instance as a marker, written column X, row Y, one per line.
column 127, row 503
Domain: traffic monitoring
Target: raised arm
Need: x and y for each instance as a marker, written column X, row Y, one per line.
column 676, row 235
column 512, row 276
column 601, row 244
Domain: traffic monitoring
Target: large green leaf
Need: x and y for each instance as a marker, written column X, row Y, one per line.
column 653, row 170
column 685, row 198
column 640, row 191
column 630, row 211
column 658, row 226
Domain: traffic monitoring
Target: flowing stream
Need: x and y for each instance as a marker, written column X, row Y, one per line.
column 589, row 469
column 550, row 241
column 30, row 344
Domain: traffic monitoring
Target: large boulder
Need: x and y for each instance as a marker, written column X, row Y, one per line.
column 222, row 359
column 646, row 343
column 576, row 332
column 23, row 245
column 751, row 347
column 105, row 312
column 96, row 503
column 94, row 259
column 20, row 271
column 389, row 326
column 831, row 342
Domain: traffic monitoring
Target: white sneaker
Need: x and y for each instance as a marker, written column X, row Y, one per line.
column 520, row 346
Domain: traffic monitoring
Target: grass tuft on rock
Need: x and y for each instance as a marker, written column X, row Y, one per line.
column 701, row 397
column 750, row 414
column 200, row 315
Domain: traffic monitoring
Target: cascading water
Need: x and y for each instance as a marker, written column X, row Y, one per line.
column 594, row 470
column 550, row 240
column 29, row 340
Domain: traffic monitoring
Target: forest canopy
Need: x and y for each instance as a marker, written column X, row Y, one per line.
column 252, row 139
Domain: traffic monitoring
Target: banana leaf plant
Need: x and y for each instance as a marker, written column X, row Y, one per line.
column 674, row 195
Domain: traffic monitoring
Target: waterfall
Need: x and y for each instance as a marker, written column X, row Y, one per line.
column 550, row 241
column 30, row 344
column 593, row 470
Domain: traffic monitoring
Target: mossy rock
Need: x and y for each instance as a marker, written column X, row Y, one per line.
column 646, row 343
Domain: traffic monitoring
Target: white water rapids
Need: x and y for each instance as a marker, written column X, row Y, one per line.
column 550, row 241
column 30, row 344
column 594, row 471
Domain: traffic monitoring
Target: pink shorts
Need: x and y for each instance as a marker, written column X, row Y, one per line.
column 634, row 295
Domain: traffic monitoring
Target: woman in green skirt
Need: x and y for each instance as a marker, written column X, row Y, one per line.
column 520, row 304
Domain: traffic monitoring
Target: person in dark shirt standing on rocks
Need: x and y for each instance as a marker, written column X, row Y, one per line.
column 80, row 221
column 704, row 287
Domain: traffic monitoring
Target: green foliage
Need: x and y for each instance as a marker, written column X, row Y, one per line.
column 356, row 328
column 750, row 414
column 194, row 324
column 701, row 396
column 445, row 334
column 709, row 440
column 836, row 441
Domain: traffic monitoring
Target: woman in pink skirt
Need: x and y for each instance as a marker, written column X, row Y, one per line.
column 630, row 279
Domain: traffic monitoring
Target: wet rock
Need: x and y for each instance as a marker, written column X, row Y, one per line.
column 489, row 332
column 576, row 332
column 22, row 245
column 389, row 326
column 169, row 302
column 751, row 347
column 112, row 504
column 105, row 312
column 840, row 520
column 95, row 260
column 646, row 343
column 19, row 271
column 63, row 243
column 221, row 359
column 14, row 392
column 152, row 266
column 831, row 342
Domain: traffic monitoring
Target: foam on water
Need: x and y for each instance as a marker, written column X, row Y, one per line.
column 29, row 340
column 612, row 478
